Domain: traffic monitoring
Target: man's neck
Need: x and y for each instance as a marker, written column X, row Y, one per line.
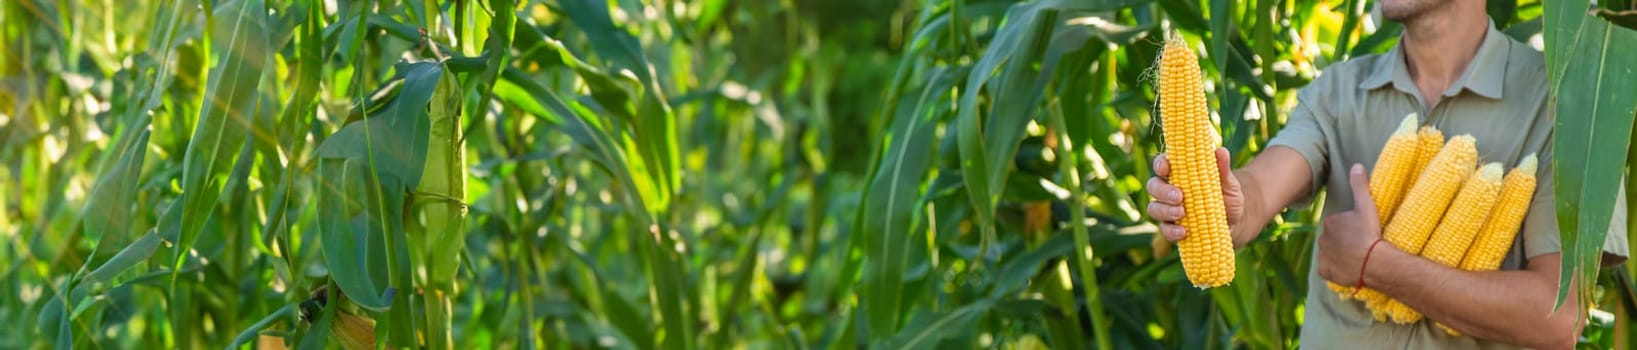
column 1438, row 46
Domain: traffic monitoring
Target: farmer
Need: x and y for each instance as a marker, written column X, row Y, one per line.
column 1459, row 73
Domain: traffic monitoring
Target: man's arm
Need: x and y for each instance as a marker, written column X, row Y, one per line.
column 1511, row 306
column 1274, row 179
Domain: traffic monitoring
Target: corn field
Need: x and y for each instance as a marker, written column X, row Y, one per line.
column 642, row 174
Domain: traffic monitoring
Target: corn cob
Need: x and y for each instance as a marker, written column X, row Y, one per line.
column 1388, row 178
column 1190, row 141
column 1429, row 142
column 1456, row 231
column 1496, row 237
column 1392, row 172
column 1425, row 203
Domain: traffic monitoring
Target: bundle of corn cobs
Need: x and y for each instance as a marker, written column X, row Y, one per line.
column 1434, row 200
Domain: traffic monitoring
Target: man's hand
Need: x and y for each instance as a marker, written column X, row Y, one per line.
column 1167, row 204
column 1348, row 235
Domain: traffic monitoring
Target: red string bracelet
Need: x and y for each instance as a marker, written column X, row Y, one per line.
column 1367, row 254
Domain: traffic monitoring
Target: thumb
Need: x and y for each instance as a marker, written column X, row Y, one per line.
column 1224, row 169
column 1360, row 182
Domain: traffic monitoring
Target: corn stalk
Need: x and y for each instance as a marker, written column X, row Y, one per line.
column 439, row 213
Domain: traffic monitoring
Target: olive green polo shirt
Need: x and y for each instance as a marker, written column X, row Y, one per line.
column 1345, row 117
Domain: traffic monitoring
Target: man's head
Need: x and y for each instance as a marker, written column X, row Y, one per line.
column 1405, row 10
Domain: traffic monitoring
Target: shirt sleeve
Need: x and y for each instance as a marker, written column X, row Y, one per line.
column 1540, row 230
column 1304, row 133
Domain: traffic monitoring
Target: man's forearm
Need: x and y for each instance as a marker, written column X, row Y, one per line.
column 1513, row 306
column 1257, row 213
column 1274, row 179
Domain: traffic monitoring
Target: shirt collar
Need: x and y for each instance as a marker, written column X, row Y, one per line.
column 1485, row 75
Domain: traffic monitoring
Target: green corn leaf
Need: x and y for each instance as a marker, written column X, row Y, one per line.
column 1232, row 101
column 929, row 331
column 1595, row 106
column 518, row 88
column 970, row 141
column 393, row 139
column 522, row 98
column 54, row 323
column 156, row 278
column 1240, row 305
column 127, row 258
column 310, row 53
column 669, row 290
column 1018, row 89
column 1019, row 270
column 239, row 44
column 110, row 210
column 342, row 183
column 249, row 334
column 83, row 304
column 1222, row 26
column 382, row 224
column 550, row 53
column 891, row 210
column 625, row 317
column 1101, row 5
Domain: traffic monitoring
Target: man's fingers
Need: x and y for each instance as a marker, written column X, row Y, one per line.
column 1172, row 232
column 1162, row 166
column 1164, row 212
column 1361, row 191
column 1164, row 192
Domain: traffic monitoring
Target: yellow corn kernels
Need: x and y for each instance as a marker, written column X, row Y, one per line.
column 1190, row 145
column 1343, row 291
column 1429, row 142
